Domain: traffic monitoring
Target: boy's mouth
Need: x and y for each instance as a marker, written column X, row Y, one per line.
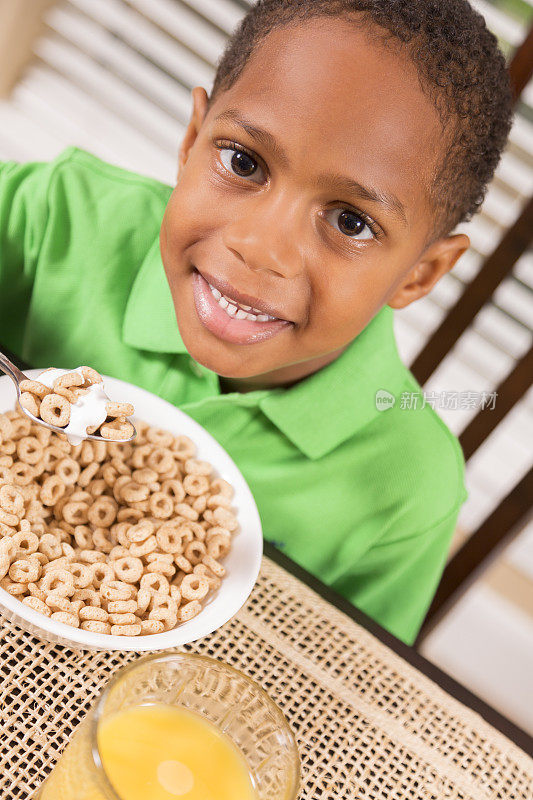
column 231, row 319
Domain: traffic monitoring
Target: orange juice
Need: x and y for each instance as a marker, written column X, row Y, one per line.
column 164, row 752
column 156, row 752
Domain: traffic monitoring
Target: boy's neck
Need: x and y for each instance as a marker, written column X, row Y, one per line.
column 284, row 377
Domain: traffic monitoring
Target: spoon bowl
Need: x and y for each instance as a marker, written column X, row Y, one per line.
column 17, row 376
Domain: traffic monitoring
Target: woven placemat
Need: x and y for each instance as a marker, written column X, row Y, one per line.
column 368, row 724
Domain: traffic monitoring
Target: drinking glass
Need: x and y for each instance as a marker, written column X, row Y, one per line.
column 225, row 697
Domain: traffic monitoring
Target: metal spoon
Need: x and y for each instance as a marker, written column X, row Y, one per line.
column 17, row 376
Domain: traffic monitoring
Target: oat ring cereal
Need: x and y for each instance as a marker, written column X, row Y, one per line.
column 35, row 388
column 11, row 500
column 55, row 410
column 75, row 400
column 121, row 539
column 194, row 587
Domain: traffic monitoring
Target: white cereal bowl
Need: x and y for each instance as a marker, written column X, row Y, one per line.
column 242, row 563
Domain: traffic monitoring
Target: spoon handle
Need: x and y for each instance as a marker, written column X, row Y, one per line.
column 10, row 369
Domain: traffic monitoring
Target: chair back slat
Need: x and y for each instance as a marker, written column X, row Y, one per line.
column 497, row 266
column 508, row 393
column 505, row 522
column 521, row 65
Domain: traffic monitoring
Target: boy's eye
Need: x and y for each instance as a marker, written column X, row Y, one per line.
column 240, row 163
column 351, row 224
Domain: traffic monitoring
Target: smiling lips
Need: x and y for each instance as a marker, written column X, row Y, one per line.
column 231, row 320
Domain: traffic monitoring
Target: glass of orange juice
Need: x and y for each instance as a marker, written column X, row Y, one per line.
column 179, row 725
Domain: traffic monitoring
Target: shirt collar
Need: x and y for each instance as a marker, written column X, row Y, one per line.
column 331, row 405
column 318, row 413
column 150, row 321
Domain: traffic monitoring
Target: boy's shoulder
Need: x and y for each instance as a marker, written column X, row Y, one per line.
column 75, row 180
column 76, row 161
column 79, row 195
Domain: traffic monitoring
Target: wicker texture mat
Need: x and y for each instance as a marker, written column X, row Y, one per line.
column 368, row 724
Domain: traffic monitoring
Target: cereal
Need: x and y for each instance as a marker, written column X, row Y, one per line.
column 34, row 387
column 72, row 400
column 195, row 485
column 11, row 500
column 37, row 605
column 93, row 612
column 152, row 626
column 148, row 546
column 119, row 409
column 194, row 587
column 161, row 568
column 126, row 630
column 122, row 539
column 102, row 573
column 194, row 466
column 157, row 584
column 55, row 410
column 128, row 569
column 4, row 564
column 195, row 551
column 53, row 489
column 122, row 607
column 66, row 618
column 24, row 571
column 183, row 563
column 214, row 566
column 56, row 602
column 60, row 581
column 218, row 546
column 67, row 380
column 68, row 471
column 189, row 610
column 95, row 626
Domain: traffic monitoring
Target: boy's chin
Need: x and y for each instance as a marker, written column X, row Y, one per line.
column 218, row 360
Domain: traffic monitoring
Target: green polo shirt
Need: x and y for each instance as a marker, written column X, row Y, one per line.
column 366, row 499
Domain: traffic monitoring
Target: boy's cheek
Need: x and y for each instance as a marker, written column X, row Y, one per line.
column 189, row 218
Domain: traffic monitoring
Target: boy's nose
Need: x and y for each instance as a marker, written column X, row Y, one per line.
column 267, row 240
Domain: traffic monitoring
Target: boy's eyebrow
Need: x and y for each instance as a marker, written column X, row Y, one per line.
column 340, row 182
column 259, row 134
column 344, row 184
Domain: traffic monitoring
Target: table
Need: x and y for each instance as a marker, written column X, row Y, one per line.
column 368, row 723
column 373, row 719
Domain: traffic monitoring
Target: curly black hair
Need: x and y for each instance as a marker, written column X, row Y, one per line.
column 459, row 64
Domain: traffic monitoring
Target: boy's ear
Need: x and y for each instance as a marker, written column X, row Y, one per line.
column 198, row 112
column 436, row 261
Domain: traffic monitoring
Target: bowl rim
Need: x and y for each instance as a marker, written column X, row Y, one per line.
column 153, row 641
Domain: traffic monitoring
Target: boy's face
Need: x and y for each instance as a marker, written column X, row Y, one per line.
column 282, row 224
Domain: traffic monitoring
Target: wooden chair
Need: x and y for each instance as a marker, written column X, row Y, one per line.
column 514, row 511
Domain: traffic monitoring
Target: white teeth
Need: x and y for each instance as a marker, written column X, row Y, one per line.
column 239, row 311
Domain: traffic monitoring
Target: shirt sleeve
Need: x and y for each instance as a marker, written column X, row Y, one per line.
column 23, row 219
column 394, row 582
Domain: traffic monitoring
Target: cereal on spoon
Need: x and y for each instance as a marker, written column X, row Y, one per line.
column 76, row 401
column 123, row 539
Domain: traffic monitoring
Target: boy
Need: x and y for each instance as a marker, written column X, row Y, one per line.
column 317, row 188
